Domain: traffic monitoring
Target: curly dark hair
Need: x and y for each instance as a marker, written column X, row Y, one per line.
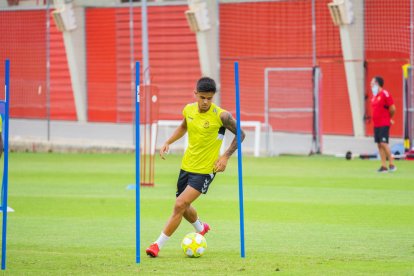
column 206, row 84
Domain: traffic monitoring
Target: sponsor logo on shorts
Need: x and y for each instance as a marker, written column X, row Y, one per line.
column 205, row 186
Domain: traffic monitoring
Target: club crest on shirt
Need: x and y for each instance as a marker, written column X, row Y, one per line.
column 206, row 124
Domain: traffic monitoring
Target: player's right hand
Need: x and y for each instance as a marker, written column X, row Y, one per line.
column 164, row 150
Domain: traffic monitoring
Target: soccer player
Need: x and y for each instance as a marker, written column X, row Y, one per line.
column 383, row 109
column 205, row 123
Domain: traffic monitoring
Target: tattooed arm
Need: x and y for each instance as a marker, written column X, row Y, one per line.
column 230, row 124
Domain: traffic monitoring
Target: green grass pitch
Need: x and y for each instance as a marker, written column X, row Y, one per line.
column 303, row 216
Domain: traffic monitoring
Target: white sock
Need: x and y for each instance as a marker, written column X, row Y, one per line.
column 198, row 225
column 162, row 239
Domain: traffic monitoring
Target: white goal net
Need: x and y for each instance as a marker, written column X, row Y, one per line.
column 292, row 114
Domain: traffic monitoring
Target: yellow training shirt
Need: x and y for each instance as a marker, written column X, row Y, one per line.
column 205, row 136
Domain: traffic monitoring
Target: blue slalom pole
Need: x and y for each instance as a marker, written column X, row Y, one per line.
column 137, row 164
column 239, row 158
column 6, row 165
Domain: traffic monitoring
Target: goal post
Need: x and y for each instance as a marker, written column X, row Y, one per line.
column 292, row 113
column 408, row 107
column 317, row 132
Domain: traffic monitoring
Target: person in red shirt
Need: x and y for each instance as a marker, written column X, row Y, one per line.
column 383, row 109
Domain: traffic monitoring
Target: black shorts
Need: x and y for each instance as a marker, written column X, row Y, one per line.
column 200, row 182
column 381, row 134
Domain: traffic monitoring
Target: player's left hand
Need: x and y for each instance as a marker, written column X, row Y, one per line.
column 221, row 164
